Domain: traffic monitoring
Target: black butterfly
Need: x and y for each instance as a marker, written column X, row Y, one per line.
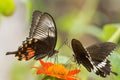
column 42, row 38
column 94, row 57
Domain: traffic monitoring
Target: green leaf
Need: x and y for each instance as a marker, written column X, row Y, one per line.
column 115, row 61
column 7, row 7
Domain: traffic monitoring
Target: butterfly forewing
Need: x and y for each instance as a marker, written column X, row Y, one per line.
column 35, row 20
column 47, row 33
column 46, row 29
column 81, row 55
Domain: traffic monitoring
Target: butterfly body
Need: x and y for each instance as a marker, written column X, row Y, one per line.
column 94, row 57
column 42, row 38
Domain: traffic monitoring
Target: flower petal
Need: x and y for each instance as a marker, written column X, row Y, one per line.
column 70, row 79
column 36, row 67
column 56, row 70
column 42, row 62
column 46, row 65
column 39, row 70
column 73, row 72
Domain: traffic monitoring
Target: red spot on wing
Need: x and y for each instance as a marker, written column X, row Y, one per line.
column 30, row 52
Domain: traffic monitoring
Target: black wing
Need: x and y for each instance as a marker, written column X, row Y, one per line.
column 46, row 32
column 46, row 29
column 43, row 26
column 35, row 20
column 94, row 57
column 99, row 52
column 81, row 55
column 42, row 38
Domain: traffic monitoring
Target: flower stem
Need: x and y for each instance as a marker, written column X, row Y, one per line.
column 115, row 36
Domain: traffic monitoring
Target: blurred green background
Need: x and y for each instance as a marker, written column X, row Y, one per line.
column 90, row 21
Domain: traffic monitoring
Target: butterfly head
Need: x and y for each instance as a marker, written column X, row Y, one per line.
column 55, row 51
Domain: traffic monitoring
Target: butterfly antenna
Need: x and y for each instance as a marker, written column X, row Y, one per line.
column 114, row 73
column 68, row 45
column 65, row 42
column 68, row 61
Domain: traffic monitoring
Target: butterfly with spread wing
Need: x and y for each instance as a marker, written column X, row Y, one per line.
column 42, row 38
column 94, row 57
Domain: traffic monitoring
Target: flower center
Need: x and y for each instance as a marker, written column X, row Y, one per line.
column 57, row 69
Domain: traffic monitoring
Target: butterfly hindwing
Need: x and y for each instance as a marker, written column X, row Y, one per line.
column 100, row 51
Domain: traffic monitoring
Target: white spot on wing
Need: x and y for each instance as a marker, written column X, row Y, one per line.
column 102, row 64
column 52, row 32
column 93, row 64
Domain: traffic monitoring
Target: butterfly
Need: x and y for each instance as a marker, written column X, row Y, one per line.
column 94, row 57
column 42, row 38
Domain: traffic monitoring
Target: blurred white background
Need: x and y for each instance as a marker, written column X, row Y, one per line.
column 12, row 33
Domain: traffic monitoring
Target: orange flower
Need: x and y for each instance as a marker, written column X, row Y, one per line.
column 56, row 70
